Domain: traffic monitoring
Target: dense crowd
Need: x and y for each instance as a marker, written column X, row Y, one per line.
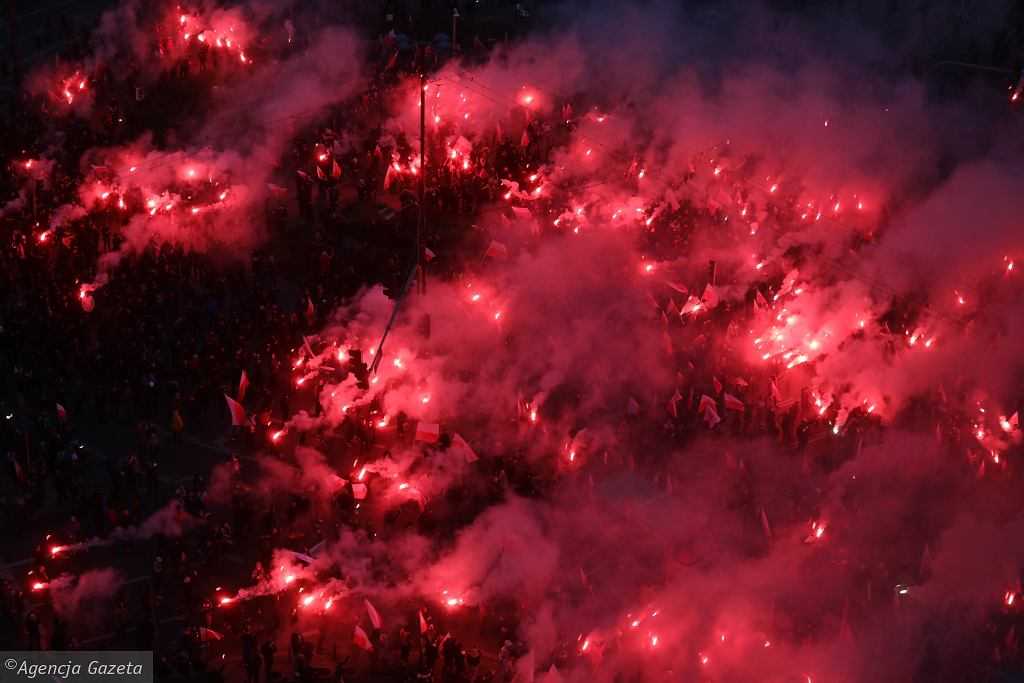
column 113, row 411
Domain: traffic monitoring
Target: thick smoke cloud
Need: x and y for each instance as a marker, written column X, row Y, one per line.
column 205, row 187
column 720, row 558
column 825, row 229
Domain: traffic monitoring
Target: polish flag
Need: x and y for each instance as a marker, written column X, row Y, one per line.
column 710, row 297
column 374, row 615
column 243, row 385
column 733, row 403
column 709, row 409
column 496, row 250
column 428, row 432
column 237, row 411
column 361, row 640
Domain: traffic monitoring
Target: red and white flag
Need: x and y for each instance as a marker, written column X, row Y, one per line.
column 788, row 282
column 428, row 432
column 496, row 250
column 62, row 413
column 733, row 403
column 237, row 411
column 521, row 213
column 208, row 634
column 243, row 386
column 361, row 640
column 710, row 297
column 374, row 615
column 424, row 627
column 673, row 403
column 335, row 170
column 306, row 345
column 765, row 524
column 709, row 409
column 692, row 306
column 460, row 444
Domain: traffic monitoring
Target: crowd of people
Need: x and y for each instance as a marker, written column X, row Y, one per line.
column 113, row 431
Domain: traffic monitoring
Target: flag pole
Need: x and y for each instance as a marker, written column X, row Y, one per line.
column 421, row 276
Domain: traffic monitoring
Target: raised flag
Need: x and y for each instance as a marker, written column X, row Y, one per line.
column 522, row 213
column 335, row 169
column 307, row 345
column 788, row 282
column 460, row 444
column 237, row 411
column 424, row 627
column 301, row 557
column 765, row 524
column 62, row 413
column 710, row 297
column 692, row 306
column 496, row 250
column 361, row 640
column 243, row 386
column 733, row 403
column 709, row 409
column 374, row 615
column 320, row 174
column 428, row 432
column 673, row 403
column 208, row 634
